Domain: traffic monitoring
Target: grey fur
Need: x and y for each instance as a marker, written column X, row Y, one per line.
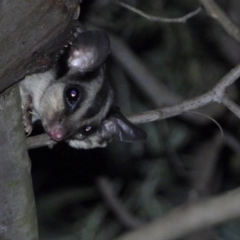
column 76, row 107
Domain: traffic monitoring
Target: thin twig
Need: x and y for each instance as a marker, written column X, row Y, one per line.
column 212, row 119
column 190, row 218
column 160, row 19
column 217, row 94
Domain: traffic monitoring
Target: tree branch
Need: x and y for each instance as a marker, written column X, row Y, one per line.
column 161, row 19
column 190, row 218
column 153, row 88
column 217, row 94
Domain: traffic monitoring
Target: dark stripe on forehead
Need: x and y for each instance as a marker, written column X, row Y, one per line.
column 99, row 103
column 84, row 77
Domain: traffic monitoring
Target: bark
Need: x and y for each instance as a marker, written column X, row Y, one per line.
column 32, row 32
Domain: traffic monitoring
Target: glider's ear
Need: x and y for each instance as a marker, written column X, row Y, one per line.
column 89, row 51
column 119, row 126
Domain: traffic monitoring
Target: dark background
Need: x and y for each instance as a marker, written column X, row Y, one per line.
column 184, row 159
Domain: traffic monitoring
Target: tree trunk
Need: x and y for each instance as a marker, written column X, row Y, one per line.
column 17, row 211
column 31, row 35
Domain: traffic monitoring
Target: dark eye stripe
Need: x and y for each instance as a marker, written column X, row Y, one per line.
column 99, row 102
